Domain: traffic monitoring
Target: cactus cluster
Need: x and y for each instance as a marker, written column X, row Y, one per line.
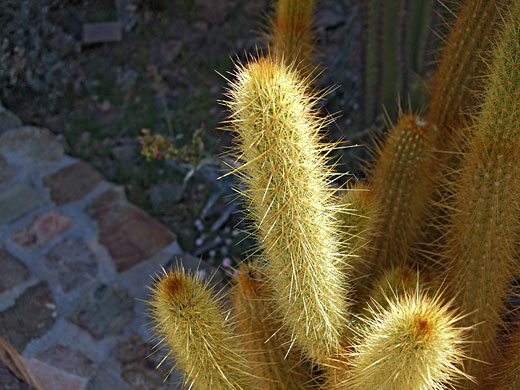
column 403, row 280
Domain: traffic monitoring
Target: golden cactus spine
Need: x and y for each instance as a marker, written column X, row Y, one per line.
column 401, row 177
column 480, row 251
column 276, row 367
column 192, row 324
column 290, row 33
column 414, row 344
column 290, row 201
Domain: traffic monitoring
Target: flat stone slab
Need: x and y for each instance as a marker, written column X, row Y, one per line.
column 17, row 201
column 138, row 365
column 102, row 310
column 129, row 234
column 52, row 378
column 32, row 315
column 72, row 182
column 12, row 271
column 43, row 229
column 7, row 170
column 36, row 143
column 72, row 263
column 68, row 360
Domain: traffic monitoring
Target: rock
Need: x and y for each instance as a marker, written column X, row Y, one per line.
column 43, row 229
column 129, row 234
column 165, row 194
column 35, row 143
column 7, row 170
column 102, row 310
column 107, row 379
column 72, row 263
column 8, row 120
column 125, row 150
column 12, row 271
column 72, row 182
column 69, row 360
column 11, row 382
column 32, row 315
column 138, row 365
column 17, row 201
column 52, row 378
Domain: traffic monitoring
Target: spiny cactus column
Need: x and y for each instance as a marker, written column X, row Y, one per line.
column 481, row 253
column 505, row 375
column 290, row 33
column 192, row 324
column 277, row 368
column 456, row 84
column 401, row 177
column 413, row 345
column 395, row 36
column 290, row 201
column 359, row 223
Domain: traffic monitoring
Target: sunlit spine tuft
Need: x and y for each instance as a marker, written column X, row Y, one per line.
column 258, row 329
column 401, row 177
column 193, row 325
column 290, row 201
column 414, row 344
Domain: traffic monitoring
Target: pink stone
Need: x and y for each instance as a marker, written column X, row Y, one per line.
column 43, row 229
column 52, row 378
column 130, row 235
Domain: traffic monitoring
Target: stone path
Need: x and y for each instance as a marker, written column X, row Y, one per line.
column 75, row 262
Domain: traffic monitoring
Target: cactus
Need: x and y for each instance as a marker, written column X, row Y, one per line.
column 505, row 374
column 480, row 252
column 290, row 200
column 401, row 177
column 191, row 322
column 413, row 345
column 396, row 33
column 290, row 33
column 455, row 86
column 293, row 311
column 358, row 224
column 277, row 368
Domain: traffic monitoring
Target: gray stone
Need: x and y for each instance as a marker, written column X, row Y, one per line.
column 36, row 143
column 139, row 365
column 72, row 262
column 17, row 201
column 12, row 271
column 72, row 182
column 32, row 315
column 107, row 379
column 7, row 170
column 8, row 121
column 102, row 310
column 69, row 360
